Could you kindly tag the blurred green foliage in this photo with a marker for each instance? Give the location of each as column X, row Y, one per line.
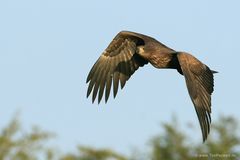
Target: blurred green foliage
column 87, row 153
column 171, row 144
column 15, row 144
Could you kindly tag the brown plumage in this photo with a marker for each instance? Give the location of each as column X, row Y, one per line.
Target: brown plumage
column 128, row 51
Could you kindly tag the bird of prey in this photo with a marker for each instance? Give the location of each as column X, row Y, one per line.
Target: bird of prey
column 129, row 50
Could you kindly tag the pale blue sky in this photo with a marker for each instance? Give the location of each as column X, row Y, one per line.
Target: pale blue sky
column 48, row 47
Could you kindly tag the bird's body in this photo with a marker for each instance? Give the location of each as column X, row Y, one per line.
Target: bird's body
column 128, row 51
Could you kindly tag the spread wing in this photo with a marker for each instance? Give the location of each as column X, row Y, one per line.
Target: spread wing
column 199, row 80
column 116, row 64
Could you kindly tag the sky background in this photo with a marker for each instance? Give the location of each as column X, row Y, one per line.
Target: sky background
column 47, row 48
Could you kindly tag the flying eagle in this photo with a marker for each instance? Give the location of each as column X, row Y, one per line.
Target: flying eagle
column 129, row 50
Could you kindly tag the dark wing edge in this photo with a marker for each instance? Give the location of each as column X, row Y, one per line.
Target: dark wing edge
column 116, row 65
column 200, row 83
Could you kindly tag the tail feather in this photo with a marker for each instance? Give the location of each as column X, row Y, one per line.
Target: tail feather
column 214, row 71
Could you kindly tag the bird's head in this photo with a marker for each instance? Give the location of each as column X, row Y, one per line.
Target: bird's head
column 140, row 50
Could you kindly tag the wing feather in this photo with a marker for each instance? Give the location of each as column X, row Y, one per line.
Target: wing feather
column 116, row 65
column 115, row 83
column 103, row 81
column 199, row 80
column 108, row 86
column 94, row 71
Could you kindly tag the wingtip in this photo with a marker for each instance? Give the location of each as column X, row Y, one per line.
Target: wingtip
column 93, row 98
column 88, row 78
column 88, row 93
column 114, row 94
column 99, row 100
column 106, row 99
column 204, row 139
column 106, row 96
